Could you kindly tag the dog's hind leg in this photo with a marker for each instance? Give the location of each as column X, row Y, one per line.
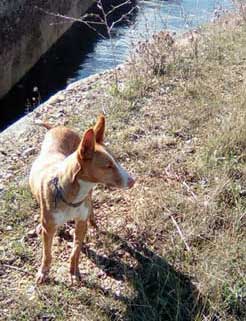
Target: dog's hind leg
column 79, row 235
column 91, row 212
column 48, row 231
column 92, row 219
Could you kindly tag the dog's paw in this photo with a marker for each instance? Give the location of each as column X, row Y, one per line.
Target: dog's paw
column 42, row 277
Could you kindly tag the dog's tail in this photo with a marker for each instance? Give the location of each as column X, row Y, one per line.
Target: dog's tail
column 45, row 125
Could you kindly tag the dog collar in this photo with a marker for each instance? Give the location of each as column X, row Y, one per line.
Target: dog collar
column 59, row 195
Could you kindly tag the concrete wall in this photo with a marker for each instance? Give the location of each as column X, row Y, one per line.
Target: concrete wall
column 26, row 33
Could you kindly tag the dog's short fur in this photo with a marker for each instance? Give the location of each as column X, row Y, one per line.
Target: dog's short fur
column 62, row 179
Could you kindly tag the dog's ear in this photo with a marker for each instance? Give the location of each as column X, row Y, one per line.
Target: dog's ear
column 87, row 145
column 99, row 129
column 75, row 171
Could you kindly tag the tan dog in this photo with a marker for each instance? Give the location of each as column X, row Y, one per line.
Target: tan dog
column 62, row 178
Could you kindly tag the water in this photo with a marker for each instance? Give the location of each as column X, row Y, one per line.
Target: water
column 152, row 16
column 81, row 52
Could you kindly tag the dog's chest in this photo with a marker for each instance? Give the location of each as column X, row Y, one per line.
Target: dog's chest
column 70, row 213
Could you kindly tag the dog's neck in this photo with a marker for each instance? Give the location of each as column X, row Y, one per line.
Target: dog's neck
column 66, row 170
column 84, row 189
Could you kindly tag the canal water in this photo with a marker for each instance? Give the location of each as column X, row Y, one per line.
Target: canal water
column 82, row 52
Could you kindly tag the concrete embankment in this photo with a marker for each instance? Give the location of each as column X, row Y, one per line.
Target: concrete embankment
column 27, row 32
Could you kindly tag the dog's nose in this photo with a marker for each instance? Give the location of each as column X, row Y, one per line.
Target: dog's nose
column 130, row 182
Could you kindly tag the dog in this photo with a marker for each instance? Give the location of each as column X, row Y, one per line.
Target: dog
column 62, row 178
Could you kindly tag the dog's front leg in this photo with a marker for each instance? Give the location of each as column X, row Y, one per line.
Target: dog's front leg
column 78, row 238
column 48, row 231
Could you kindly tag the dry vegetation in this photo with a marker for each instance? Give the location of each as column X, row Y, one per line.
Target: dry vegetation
column 172, row 248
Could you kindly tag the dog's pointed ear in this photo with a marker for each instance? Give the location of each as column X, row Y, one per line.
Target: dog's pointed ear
column 75, row 171
column 87, row 145
column 99, row 129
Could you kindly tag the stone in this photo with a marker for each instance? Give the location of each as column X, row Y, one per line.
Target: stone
column 32, row 233
column 29, row 151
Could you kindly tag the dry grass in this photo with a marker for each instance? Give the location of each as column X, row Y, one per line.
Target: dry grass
column 172, row 248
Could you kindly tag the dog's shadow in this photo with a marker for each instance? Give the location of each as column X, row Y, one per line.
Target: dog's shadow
column 162, row 293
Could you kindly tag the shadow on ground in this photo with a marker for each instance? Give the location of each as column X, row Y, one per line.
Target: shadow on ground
column 161, row 292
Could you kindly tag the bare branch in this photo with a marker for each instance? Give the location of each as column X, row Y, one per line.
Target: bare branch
column 69, row 18
column 72, row 19
column 17, row 269
column 117, row 7
column 180, row 233
column 190, row 190
column 124, row 16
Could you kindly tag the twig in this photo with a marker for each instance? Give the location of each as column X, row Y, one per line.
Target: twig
column 189, row 190
column 169, row 214
column 72, row 19
column 124, row 16
column 118, row 6
column 17, row 269
column 180, row 233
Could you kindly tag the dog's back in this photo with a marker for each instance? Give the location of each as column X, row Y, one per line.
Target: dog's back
column 60, row 140
column 59, row 143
